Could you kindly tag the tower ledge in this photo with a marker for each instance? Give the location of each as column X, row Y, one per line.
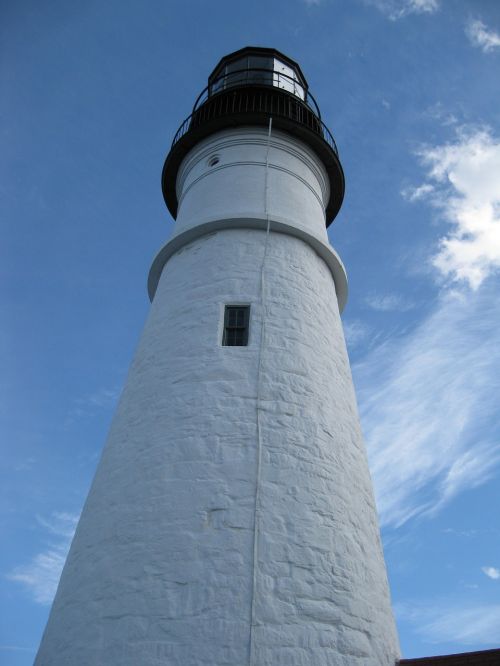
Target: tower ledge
column 325, row 251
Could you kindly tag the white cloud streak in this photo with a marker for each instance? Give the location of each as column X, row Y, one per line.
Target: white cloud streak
column 356, row 332
column 426, row 404
column 428, row 399
column 16, row 648
column 388, row 302
column 461, row 533
column 397, row 9
column 464, row 185
column 417, row 193
column 480, row 36
column 491, row 572
column 102, row 399
column 41, row 575
column 462, row 624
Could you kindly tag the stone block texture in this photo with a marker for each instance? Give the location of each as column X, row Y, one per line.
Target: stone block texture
column 231, row 521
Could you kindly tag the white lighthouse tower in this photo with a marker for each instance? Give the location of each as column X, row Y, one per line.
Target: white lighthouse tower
column 231, row 521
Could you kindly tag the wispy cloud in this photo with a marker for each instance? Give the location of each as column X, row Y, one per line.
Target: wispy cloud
column 491, row 572
column 427, row 398
column 41, row 575
column 397, row 9
column 25, row 465
column 101, row 399
column 417, row 193
column 388, row 302
column 426, row 401
column 439, row 112
column 470, row 469
column 463, row 184
column 479, row 35
column 461, row 533
column 471, row 533
column 462, row 624
column 356, row 332
column 16, row 648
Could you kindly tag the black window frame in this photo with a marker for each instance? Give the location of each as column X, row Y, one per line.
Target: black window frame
column 236, row 325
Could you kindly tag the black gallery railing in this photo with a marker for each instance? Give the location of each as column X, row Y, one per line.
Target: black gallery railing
column 248, row 98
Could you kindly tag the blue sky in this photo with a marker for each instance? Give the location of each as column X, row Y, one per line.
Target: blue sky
column 92, row 94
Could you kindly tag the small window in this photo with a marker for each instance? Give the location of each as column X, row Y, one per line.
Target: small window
column 236, row 318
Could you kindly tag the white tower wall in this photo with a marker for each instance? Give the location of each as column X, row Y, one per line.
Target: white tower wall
column 235, row 187
column 231, row 521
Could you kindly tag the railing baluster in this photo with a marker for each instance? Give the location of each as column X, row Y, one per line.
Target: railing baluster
column 274, row 101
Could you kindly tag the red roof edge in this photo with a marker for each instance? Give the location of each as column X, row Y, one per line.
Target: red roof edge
column 481, row 658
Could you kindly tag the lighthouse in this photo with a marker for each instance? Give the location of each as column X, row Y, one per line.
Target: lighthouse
column 231, row 520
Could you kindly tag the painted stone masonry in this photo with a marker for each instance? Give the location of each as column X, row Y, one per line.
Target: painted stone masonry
column 231, row 521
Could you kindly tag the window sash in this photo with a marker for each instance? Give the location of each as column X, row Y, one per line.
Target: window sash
column 236, row 319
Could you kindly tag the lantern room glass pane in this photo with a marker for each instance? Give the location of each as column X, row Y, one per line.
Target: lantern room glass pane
column 236, row 73
column 286, row 78
column 259, row 70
